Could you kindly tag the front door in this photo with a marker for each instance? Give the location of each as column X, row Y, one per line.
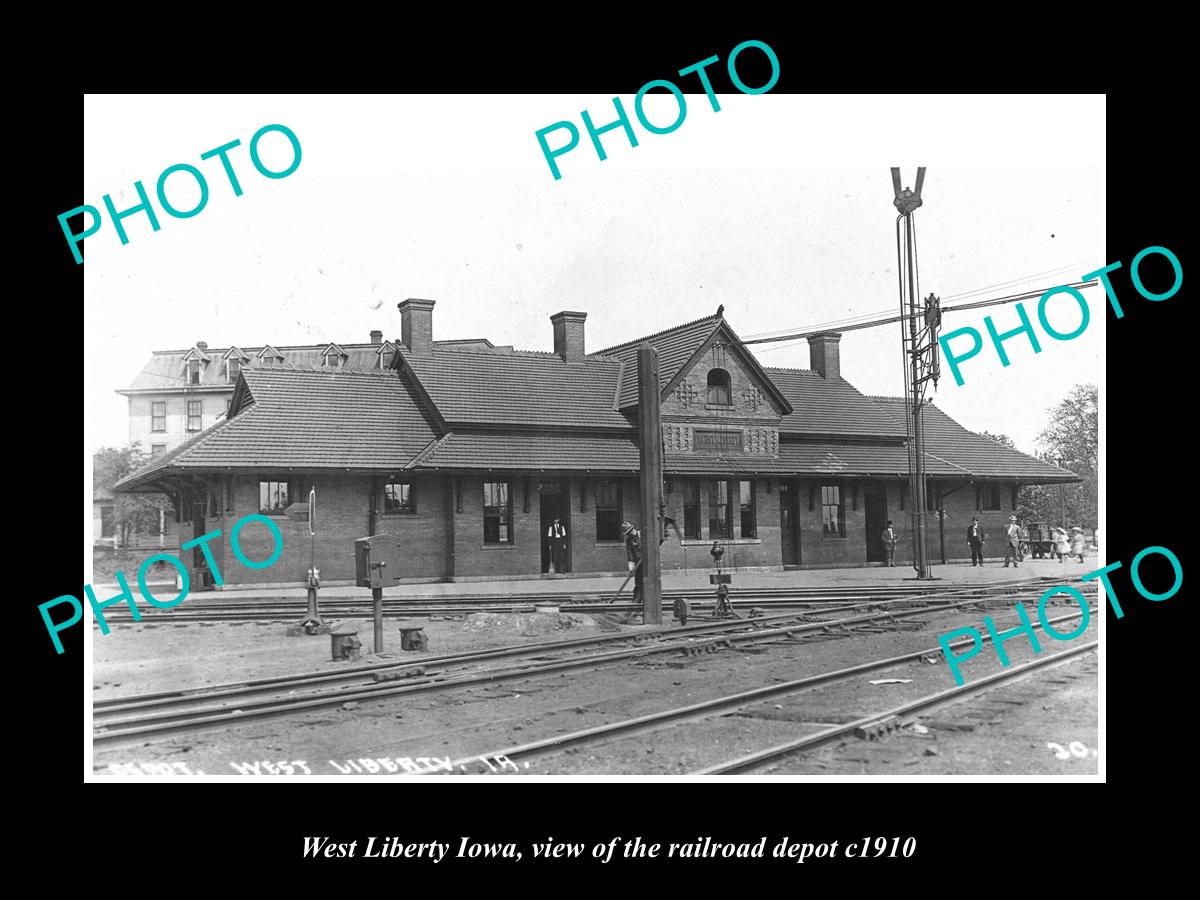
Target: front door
column 789, row 532
column 553, row 503
column 875, row 507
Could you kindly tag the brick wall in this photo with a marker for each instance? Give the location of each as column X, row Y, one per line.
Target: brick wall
column 443, row 542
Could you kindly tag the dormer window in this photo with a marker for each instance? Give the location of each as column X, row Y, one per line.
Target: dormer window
column 333, row 357
column 269, row 356
column 234, row 359
column 193, row 371
column 386, row 353
column 718, row 388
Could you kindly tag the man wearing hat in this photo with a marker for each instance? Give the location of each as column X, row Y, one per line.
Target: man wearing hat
column 1012, row 547
column 633, row 551
column 975, row 539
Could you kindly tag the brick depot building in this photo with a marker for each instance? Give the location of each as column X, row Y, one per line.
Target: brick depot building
column 467, row 451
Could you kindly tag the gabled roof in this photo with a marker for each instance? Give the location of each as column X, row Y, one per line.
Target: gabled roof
column 268, row 350
column 305, row 419
column 972, row 452
column 232, row 352
column 831, row 407
column 196, row 353
column 329, row 348
column 484, row 387
column 678, row 350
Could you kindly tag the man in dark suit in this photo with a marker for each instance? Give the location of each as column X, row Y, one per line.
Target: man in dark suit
column 975, row 539
column 633, row 551
column 556, row 534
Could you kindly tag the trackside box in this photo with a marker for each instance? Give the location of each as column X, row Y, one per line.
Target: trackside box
column 377, row 561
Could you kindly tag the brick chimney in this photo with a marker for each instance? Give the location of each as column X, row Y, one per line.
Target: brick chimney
column 416, row 326
column 568, row 336
column 823, row 355
column 376, row 337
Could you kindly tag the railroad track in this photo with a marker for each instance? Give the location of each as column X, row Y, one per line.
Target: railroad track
column 700, row 601
column 162, row 714
column 705, row 710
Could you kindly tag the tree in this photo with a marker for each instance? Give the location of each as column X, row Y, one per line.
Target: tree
column 132, row 513
column 1001, row 439
column 1071, row 440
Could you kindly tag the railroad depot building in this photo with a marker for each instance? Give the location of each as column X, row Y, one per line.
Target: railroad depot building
column 467, row 451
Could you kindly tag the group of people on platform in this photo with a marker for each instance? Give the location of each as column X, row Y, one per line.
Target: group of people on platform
column 1060, row 545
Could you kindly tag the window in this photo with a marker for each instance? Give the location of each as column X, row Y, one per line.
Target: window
column 718, row 387
column 608, row 510
column 398, row 498
column 991, row 497
column 497, row 513
column 158, row 415
column 267, row 360
column 233, row 366
column 749, row 519
column 193, row 371
column 831, row 510
column 385, row 359
column 272, row 497
column 333, row 359
column 195, row 415
column 691, row 510
column 718, row 510
column 107, row 525
column 157, row 450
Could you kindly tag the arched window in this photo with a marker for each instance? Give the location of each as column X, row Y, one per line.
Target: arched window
column 718, row 387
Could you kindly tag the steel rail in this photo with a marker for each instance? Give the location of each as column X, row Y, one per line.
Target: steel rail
column 157, row 724
column 279, row 682
column 756, row 760
column 707, row 708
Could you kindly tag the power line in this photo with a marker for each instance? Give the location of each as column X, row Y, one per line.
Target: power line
column 979, row 304
column 848, row 320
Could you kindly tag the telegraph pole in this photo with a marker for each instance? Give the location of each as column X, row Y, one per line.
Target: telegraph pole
column 650, row 432
column 919, row 341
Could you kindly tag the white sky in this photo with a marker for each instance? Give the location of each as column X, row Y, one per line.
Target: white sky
column 778, row 207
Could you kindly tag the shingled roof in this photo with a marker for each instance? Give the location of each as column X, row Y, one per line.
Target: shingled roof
column 487, row 387
column 344, row 419
column 831, row 407
column 975, row 453
column 548, row 451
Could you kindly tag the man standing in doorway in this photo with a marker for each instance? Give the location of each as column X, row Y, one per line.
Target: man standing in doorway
column 633, row 551
column 975, row 539
column 889, row 543
column 557, row 535
column 1012, row 543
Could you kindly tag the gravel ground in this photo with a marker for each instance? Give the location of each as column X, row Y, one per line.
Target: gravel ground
column 384, row 735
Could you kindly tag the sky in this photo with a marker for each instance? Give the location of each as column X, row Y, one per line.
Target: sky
column 778, row 207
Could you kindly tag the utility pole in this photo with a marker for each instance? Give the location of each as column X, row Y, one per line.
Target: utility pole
column 650, row 433
column 918, row 336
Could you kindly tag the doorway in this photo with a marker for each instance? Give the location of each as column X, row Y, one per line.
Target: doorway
column 200, row 575
column 875, row 508
column 789, row 530
column 554, row 503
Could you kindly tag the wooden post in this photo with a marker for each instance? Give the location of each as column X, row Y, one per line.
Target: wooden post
column 650, row 433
